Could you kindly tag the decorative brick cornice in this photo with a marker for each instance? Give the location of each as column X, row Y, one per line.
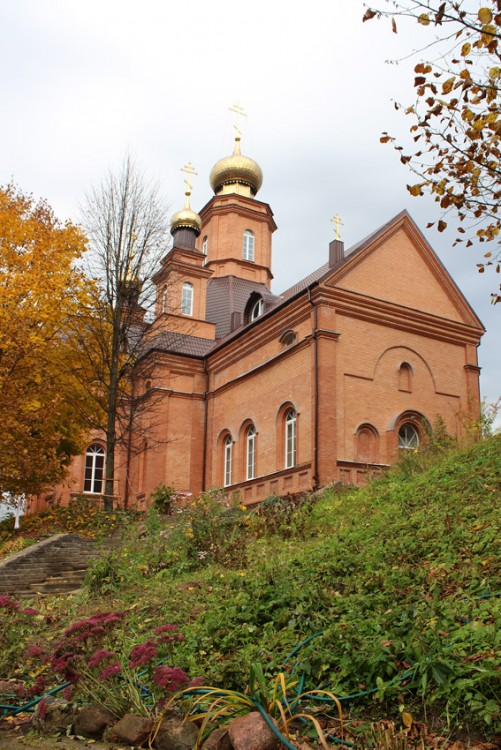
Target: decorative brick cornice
column 382, row 312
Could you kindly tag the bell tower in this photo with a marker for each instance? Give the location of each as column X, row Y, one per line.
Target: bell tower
column 236, row 228
column 182, row 279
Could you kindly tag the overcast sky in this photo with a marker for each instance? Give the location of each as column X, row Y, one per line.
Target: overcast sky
column 82, row 82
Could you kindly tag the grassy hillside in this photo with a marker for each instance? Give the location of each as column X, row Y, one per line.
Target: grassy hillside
column 398, row 583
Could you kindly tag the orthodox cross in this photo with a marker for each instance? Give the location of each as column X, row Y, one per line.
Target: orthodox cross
column 240, row 112
column 189, row 169
column 338, row 222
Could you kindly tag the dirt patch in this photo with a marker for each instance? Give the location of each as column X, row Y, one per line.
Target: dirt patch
column 24, row 739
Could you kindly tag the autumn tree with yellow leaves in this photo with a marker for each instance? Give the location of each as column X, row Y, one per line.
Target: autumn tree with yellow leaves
column 43, row 398
column 456, row 124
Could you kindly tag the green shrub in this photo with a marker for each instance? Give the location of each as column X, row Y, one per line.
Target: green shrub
column 217, row 531
column 286, row 517
column 163, row 498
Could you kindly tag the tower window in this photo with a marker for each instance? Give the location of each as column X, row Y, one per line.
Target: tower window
column 205, row 248
column 164, row 299
column 248, row 245
column 94, row 469
column 250, row 472
column 187, row 299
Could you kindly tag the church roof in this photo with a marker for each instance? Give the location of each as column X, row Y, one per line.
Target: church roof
column 304, row 283
column 178, row 343
column 230, row 294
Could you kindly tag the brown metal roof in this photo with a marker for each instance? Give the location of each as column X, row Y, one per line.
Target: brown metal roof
column 229, row 294
column 178, row 343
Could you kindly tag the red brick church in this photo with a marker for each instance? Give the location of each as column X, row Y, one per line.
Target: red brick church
column 266, row 394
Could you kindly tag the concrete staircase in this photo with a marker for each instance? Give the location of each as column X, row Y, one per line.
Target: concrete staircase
column 53, row 566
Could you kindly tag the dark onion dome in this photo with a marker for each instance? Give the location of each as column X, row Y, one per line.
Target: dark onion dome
column 236, row 169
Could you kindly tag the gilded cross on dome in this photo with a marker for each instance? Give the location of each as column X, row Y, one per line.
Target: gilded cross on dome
column 240, row 112
column 338, row 222
column 189, row 169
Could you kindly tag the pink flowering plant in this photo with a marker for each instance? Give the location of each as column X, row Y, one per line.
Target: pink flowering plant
column 101, row 664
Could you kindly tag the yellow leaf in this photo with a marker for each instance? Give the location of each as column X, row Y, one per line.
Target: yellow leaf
column 424, row 19
column 406, row 719
column 494, row 73
column 448, row 85
column 485, row 16
column 465, row 49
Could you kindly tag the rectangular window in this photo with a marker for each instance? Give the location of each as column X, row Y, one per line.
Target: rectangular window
column 248, row 245
column 228, row 446
column 251, row 453
column 290, row 440
column 187, row 299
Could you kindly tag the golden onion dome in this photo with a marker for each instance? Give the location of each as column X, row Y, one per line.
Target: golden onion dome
column 186, row 218
column 236, row 170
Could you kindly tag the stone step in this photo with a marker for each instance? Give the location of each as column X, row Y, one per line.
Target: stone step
column 58, row 587
column 55, row 565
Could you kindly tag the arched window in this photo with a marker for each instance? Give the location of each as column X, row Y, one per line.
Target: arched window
column 205, row 247
column 187, row 299
column 290, row 439
column 257, row 309
column 250, row 453
column 408, row 437
column 94, row 469
column 248, row 245
column 405, row 377
column 164, row 299
column 228, row 460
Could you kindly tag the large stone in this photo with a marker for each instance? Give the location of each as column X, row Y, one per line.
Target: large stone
column 54, row 715
column 131, row 730
column 252, row 733
column 175, row 734
column 219, row 739
column 92, row 721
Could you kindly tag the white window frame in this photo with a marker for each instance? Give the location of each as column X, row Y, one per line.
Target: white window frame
column 248, row 245
column 228, row 461
column 290, row 438
column 205, row 248
column 94, row 463
column 257, row 309
column 250, row 453
column 187, row 299
column 164, row 299
column 408, row 437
